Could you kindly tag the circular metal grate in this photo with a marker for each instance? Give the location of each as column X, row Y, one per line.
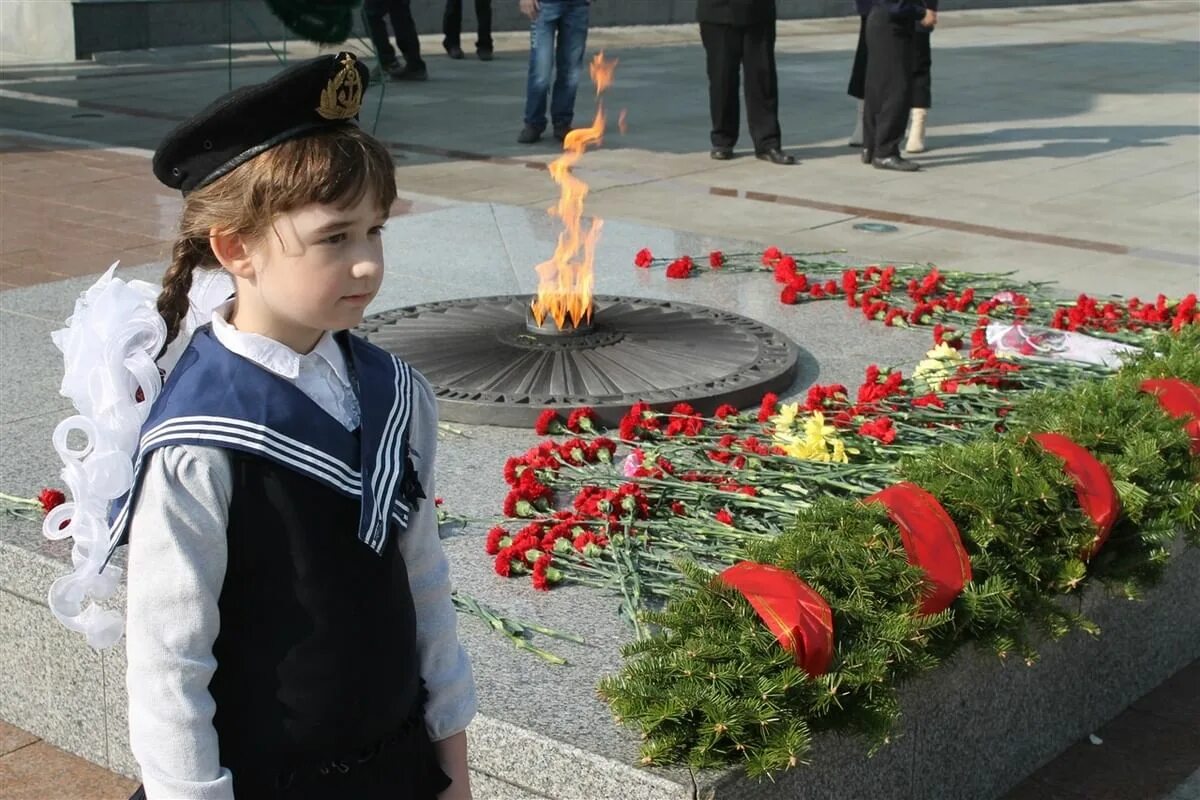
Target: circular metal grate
column 488, row 367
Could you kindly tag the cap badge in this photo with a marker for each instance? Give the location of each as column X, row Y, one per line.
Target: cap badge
column 342, row 96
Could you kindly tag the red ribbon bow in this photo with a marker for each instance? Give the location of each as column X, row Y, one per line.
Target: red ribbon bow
column 931, row 541
column 1093, row 484
column 799, row 617
column 1181, row 400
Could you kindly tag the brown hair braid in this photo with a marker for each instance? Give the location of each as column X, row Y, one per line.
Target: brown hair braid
column 337, row 167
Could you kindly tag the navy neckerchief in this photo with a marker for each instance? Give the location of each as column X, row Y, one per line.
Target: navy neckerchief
column 216, row 398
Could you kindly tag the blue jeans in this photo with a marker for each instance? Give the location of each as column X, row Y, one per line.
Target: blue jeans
column 557, row 39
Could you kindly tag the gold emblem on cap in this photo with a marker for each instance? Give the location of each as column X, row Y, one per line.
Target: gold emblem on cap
column 342, row 96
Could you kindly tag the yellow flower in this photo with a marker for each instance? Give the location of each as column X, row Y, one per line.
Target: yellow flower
column 819, row 443
column 786, row 417
column 938, row 365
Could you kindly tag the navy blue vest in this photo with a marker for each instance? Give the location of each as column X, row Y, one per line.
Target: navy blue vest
column 216, row 398
column 317, row 656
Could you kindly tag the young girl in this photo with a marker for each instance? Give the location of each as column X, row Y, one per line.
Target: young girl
column 290, row 631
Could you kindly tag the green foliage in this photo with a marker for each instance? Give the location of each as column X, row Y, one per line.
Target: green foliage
column 320, row 21
column 712, row 686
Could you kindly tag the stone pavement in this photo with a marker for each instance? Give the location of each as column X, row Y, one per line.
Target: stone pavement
column 1063, row 142
column 1063, row 146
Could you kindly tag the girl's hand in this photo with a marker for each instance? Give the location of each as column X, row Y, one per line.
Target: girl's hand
column 452, row 757
column 929, row 21
column 530, row 8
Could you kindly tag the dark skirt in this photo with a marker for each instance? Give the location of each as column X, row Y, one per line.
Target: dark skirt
column 403, row 766
column 858, row 72
column 922, row 84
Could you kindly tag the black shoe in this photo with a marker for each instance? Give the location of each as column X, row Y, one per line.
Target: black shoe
column 895, row 163
column 484, row 55
column 454, row 51
column 775, row 156
column 529, row 135
column 560, row 132
column 721, row 153
column 381, row 70
column 867, row 155
column 410, row 73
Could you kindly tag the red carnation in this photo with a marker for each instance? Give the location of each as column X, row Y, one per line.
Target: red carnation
column 880, row 428
column 643, row 259
column 789, row 295
column 930, row 399
column 503, row 565
column 724, row 517
column 726, row 410
column 548, row 423
column 581, row 419
column 601, row 449
column 680, row 268
column 785, row 270
column 678, row 508
column 716, row 259
column 770, row 256
column 50, row 499
column 540, row 580
column 768, row 408
column 492, row 545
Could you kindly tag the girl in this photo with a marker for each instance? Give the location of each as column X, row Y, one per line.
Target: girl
column 290, row 630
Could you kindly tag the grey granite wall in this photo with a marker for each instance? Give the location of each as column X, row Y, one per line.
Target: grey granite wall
column 106, row 25
column 973, row 729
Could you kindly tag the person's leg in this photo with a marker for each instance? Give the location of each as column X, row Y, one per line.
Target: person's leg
column 858, row 70
column 922, row 80
column 373, row 12
column 572, row 42
column 723, row 52
column 406, row 35
column 889, row 83
column 762, row 86
column 452, row 26
column 858, row 81
column 483, row 19
column 922, row 91
column 541, row 66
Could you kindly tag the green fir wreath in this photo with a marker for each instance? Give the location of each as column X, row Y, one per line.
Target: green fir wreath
column 320, row 21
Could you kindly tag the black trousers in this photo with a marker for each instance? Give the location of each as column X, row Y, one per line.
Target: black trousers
column 452, row 24
column 889, row 82
column 922, row 89
column 728, row 48
column 400, row 13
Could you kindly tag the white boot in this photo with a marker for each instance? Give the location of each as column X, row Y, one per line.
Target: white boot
column 856, row 138
column 916, row 131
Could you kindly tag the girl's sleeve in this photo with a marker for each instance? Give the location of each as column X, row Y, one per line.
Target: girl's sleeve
column 445, row 667
column 177, row 560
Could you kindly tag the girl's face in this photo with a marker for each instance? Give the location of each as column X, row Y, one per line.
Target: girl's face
column 315, row 270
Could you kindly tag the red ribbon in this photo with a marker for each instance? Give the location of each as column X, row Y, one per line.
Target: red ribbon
column 799, row 617
column 1093, row 484
column 931, row 540
column 1180, row 400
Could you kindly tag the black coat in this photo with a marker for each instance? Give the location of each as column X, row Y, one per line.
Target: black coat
column 735, row 12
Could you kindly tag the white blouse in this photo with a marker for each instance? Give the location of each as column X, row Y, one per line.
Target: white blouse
column 177, row 561
column 320, row 374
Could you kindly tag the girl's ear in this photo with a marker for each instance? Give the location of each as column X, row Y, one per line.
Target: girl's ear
column 233, row 251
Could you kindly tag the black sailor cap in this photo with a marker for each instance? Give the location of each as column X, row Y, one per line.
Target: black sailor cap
column 301, row 100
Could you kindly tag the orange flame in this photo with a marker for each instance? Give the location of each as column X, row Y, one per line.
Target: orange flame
column 565, row 281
